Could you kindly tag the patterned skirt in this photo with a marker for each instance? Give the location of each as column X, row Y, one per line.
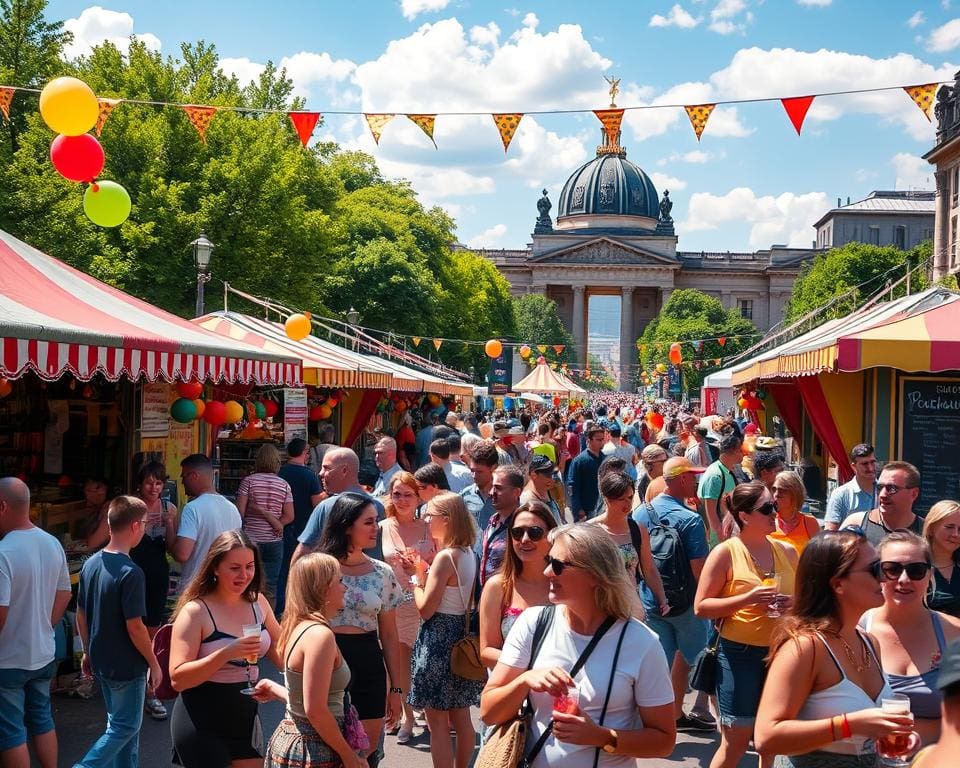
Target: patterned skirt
column 433, row 685
column 296, row 744
column 821, row 759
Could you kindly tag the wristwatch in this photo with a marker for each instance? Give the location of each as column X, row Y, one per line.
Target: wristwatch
column 611, row 745
column 397, row 690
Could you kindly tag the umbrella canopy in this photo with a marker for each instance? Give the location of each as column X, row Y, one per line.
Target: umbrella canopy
column 542, row 379
column 530, row 397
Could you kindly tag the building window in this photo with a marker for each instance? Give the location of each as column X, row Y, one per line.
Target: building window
column 955, row 185
column 927, row 234
column 900, row 237
column 953, row 240
column 874, row 235
column 745, row 307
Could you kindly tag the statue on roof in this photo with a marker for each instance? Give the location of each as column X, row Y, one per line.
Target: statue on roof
column 614, row 83
column 544, row 223
column 665, row 220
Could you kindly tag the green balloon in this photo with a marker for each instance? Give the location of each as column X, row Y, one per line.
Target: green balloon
column 106, row 203
column 260, row 409
column 183, row 410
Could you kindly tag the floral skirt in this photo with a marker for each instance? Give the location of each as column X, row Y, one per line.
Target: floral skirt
column 433, row 685
column 296, row 744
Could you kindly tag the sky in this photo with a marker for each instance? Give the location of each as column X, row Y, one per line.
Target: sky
column 750, row 182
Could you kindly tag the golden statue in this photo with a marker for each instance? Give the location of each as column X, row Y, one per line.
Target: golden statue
column 614, row 83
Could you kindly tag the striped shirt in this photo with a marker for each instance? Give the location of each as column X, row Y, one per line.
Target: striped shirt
column 269, row 492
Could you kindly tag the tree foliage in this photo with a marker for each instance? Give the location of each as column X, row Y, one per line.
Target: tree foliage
column 538, row 322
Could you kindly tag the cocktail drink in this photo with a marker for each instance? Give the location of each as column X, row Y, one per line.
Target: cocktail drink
column 894, row 748
column 250, row 630
column 773, row 580
column 568, row 703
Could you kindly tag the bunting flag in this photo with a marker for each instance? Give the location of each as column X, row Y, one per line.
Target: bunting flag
column 425, row 123
column 437, row 343
column 542, row 348
column 200, row 117
column 722, row 341
column 699, row 114
column 105, row 108
column 415, row 340
column 716, row 361
column 6, row 97
column 644, row 348
column 797, row 110
column 611, row 119
column 558, row 348
column 698, row 344
column 922, row 96
column 304, row 123
column 377, row 122
column 507, row 124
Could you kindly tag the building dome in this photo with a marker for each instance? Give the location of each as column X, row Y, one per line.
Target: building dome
column 609, row 185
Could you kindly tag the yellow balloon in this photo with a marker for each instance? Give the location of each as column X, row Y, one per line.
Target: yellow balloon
column 69, row 106
column 298, row 326
column 234, row 411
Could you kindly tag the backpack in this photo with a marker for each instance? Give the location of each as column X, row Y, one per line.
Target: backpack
column 672, row 564
column 161, row 649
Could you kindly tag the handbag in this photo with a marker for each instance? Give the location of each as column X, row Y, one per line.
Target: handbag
column 703, row 673
column 465, row 658
column 353, row 730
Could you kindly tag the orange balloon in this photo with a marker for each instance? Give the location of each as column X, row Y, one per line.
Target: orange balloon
column 201, row 407
column 5, row 388
column 525, row 351
column 234, row 411
column 298, row 326
column 676, row 353
column 324, row 411
column 493, row 348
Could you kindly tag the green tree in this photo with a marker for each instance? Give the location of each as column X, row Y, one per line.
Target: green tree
column 691, row 316
column 538, row 322
column 600, row 379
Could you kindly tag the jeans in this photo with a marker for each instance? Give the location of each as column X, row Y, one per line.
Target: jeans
column 271, row 555
column 25, row 704
column 119, row 747
column 741, row 673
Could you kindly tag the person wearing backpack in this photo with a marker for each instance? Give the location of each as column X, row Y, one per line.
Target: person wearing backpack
column 678, row 542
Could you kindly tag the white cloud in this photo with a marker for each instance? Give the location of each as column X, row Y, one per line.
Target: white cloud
column 542, row 158
column 243, row 68
column 945, row 38
column 662, row 181
column 96, row 25
column 316, row 74
column 412, row 8
column 724, row 121
column 696, row 157
column 677, row 17
column 865, row 174
column 916, row 20
column 819, row 3
column 785, row 219
column 488, row 238
column 912, row 172
column 488, row 35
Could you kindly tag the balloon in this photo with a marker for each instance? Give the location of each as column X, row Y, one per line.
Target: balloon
column 215, row 413
column 201, row 407
column 260, row 409
column 676, row 353
column 183, row 410
column 5, row 388
column 106, row 204
column 69, row 106
column 324, row 411
column 742, row 403
column 271, row 408
column 298, row 326
column 314, row 413
column 556, row 402
column 525, row 351
column 661, row 368
column 190, row 389
column 233, row 412
column 493, row 348
column 77, row 158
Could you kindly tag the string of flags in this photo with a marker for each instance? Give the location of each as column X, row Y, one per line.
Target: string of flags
column 304, row 123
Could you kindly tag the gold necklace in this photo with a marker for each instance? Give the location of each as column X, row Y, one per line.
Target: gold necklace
column 851, row 656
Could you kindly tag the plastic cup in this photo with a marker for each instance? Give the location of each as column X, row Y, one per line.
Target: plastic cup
column 895, row 748
column 251, row 630
column 568, row 703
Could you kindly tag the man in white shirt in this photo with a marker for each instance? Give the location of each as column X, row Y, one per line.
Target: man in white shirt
column 458, row 476
column 385, row 457
column 34, row 592
column 203, row 518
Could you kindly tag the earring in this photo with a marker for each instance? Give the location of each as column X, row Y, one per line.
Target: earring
column 214, row 578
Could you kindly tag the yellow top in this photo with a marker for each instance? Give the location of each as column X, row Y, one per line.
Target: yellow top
column 798, row 537
column 751, row 625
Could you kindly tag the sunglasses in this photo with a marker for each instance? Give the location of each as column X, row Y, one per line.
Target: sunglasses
column 533, row 532
column 892, row 489
column 915, row 571
column 767, row 508
column 557, row 566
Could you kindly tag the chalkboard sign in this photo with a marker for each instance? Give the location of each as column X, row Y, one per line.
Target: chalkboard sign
column 930, row 436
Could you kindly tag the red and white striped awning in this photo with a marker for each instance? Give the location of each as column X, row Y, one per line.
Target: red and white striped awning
column 55, row 320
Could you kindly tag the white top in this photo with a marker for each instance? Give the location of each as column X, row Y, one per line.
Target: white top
column 642, row 679
column 455, row 600
column 458, row 475
column 202, row 520
column 33, row 568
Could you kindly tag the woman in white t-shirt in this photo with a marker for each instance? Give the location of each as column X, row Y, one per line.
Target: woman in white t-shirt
column 619, row 706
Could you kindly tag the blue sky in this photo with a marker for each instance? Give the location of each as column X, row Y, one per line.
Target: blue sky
column 750, row 183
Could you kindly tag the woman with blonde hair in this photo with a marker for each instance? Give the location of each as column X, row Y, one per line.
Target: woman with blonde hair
column 315, row 673
column 443, row 598
column 941, row 529
column 598, row 681
column 406, row 540
column 793, row 526
column 213, row 724
column 265, row 502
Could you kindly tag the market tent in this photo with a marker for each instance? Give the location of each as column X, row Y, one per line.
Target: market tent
column 575, row 389
column 542, row 379
column 55, row 319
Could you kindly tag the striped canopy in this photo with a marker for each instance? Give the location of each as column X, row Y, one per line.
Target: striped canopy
column 543, row 380
column 55, row 319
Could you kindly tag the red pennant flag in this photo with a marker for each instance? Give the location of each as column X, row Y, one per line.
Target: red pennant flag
column 200, row 117
column 922, row 96
column 722, row 341
column 304, row 123
column 558, row 348
column 6, row 97
column 797, row 110
column 507, row 126
column 611, row 119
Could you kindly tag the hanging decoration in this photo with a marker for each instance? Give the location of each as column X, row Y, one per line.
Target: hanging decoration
column 797, row 110
column 200, row 117
column 676, row 353
column 377, row 122
column 233, row 411
column 298, row 326
column 200, row 406
column 425, row 123
column 6, row 99
column 104, row 108
column 698, row 345
column 699, row 114
column 77, row 158
column 542, row 348
column 271, row 407
column 68, row 106
column 183, row 410
column 507, row 125
column 722, row 341
column 415, row 340
column 215, row 413
column 189, row 389
column 106, row 203
column 525, row 351
column 558, row 348
column 5, row 388
column 437, row 343
column 922, row 96
column 303, row 124
column 493, row 348
column 611, row 119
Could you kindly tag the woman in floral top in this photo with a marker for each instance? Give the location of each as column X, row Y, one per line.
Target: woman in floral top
column 366, row 626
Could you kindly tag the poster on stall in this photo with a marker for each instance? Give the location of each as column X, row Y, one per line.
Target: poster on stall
column 155, row 417
column 294, row 414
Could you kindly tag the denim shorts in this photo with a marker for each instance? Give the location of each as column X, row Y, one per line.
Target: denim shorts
column 685, row 633
column 25, row 704
column 741, row 672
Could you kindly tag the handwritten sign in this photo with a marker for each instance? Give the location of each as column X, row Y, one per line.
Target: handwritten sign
column 155, row 414
column 930, row 436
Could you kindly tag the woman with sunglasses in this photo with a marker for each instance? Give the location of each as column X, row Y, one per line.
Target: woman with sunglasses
column 521, row 582
column 821, row 705
column 912, row 638
column 941, row 529
column 793, row 526
column 745, row 584
column 594, row 599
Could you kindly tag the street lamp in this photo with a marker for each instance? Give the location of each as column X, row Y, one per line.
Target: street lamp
column 353, row 320
column 473, row 375
column 202, row 248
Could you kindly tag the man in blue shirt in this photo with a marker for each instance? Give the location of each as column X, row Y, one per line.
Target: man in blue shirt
column 305, row 486
column 584, row 472
column 482, row 458
column 385, row 457
column 858, row 495
column 459, row 476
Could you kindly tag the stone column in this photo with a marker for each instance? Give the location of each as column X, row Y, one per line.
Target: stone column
column 941, row 233
column 579, row 323
column 627, row 341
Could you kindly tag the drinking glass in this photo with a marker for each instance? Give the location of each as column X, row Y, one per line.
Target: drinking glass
column 896, row 747
column 773, row 609
column 569, row 702
column 250, row 630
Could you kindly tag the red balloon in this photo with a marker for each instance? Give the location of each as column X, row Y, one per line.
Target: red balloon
column 316, row 413
column 77, row 158
column 190, row 389
column 215, row 413
column 271, row 408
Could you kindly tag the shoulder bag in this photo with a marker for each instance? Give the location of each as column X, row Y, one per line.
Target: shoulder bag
column 465, row 658
column 703, row 673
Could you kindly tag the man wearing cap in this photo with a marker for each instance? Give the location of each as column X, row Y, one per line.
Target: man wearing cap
column 584, row 471
column 683, row 635
column 540, row 484
column 719, row 480
column 652, row 457
column 944, row 752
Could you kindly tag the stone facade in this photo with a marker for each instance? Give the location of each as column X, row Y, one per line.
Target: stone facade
column 945, row 157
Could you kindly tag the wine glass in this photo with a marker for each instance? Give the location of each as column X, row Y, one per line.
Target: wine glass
column 773, row 608
column 250, row 630
column 895, row 747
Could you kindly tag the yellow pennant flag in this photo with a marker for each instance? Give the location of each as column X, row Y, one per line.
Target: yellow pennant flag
column 377, row 123
column 106, row 107
column 611, row 119
column 699, row 114
column 416, row 340
column 507, row 125
column 542, row 348
column 425, row 123
column 200, row 117
column 6, row 97
column 922, row 96
column 437, row 343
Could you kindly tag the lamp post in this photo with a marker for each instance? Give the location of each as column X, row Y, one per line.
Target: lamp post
column 202, row 248
column 473, row 375
column 353, row 320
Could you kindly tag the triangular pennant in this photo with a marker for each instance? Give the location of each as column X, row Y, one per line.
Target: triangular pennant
column 415, row 340
column 437, row 343
column 797, row 110
column 507, row 125
column 6, row 97
column 304, row 123
column 611, row 119
column 699, row 114
column 722, row 341
column 542, row 348
column 558, row 348
column 698, row 344
column 105, row 108
column 553, row 366
column 716, row 361
column 922, row 96
column 644, row 348
column 200, row 117
column 425, row 123
column 377, row 123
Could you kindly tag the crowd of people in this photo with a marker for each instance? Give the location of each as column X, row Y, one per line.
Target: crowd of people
column 579, row 566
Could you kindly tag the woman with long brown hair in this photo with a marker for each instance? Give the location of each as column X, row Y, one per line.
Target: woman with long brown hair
column 822, row 700
column 213, row 723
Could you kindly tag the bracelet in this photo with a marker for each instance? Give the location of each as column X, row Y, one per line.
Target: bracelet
column 833, row 729
column 397, row 690
column 846, row 731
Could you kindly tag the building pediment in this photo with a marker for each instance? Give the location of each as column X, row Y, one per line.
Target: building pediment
column 604, row 250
